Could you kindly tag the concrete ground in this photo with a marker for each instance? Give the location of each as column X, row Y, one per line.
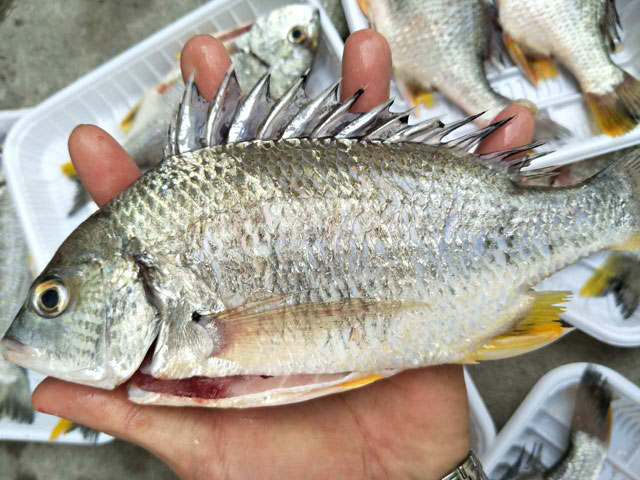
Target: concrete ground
column 44, row 46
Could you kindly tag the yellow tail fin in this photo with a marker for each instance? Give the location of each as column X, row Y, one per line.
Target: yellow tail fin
column 617, row 112
column 68, row 170
column 62, row 427
column 541, row 326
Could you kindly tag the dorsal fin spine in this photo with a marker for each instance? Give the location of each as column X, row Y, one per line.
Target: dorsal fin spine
column 232, row 117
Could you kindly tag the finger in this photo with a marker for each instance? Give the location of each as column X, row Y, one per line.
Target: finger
column 516, row 133
column 109, row 411
column 103, row 166
column 366, row 63
column 209, row 59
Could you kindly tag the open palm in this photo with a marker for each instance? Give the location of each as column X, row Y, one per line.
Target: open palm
column 412, row 425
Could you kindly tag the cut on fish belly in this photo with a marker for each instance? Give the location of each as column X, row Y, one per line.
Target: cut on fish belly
column 319, row 248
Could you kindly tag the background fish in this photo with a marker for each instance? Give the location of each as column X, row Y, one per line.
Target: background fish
column 578, row 34
column 15, row 396
column 283, row 41
column 442, row 45
column 588, row 438
column 299, row 256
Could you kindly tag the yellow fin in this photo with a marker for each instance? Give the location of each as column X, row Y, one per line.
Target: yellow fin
column 632, row 243
column 364, row 7
column 540, row 327
column 63, row 426
column 544, row 68
column 127, row 122
column 599, row 281
column 360, row 382
column 428, row 99
column 520, row 59
column 68, row 170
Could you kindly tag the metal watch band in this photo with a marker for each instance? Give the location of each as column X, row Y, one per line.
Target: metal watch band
column 470, row 469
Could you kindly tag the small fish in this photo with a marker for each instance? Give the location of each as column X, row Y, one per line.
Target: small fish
column 285, row 250
column 283, row 41
column 588, row 439
column 578, row 34
column 15, row 396
column 442, row 45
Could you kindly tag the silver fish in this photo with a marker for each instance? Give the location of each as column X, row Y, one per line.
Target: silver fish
column 579, row 35
column 588, row 438
column 283, row 41
column 311, row 250
column 15, row 396
column 441, row 45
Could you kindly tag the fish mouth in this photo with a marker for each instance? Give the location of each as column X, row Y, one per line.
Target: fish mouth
column 17, row 352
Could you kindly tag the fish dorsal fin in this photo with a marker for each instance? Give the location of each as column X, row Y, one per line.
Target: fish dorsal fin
column 234, row 117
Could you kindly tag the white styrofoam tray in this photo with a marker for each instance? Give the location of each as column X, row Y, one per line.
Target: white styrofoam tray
column 561, row 100
column 42, row 425
column 544, row 418
column 37, row 145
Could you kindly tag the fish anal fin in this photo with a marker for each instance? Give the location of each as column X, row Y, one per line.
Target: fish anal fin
column 62, row 427
column 517, row 54
column 361, row 382
column 540, row 327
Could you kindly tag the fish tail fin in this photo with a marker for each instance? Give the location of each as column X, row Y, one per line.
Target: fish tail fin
column 15, row 399
column 619, row 275
column 592, row 414
column 617, row 112
column 67, row 426
column 61, row 428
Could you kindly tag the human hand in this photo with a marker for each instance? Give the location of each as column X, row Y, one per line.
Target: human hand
column 412, row 425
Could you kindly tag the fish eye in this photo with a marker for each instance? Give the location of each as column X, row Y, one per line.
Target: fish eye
column 50, row 298
column 297, row 34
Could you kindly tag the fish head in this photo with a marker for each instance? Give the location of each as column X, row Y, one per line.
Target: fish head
column 85, row 319
column 286, row 40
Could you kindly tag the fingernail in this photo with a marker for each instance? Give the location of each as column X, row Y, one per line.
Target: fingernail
column 528, row 104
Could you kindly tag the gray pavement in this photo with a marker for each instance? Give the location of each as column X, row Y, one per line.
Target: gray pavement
column 44, row 46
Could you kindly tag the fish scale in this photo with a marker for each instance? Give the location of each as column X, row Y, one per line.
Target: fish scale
column 288, row 257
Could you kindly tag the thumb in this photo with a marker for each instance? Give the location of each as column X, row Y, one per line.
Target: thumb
column 157, row 429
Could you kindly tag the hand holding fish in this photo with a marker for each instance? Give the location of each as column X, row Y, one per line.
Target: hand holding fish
column 411, row 425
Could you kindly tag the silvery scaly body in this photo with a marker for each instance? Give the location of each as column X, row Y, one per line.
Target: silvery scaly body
column 588, row 438
column 15, row 277
column 578, row 34
column 311, row 250
column 442, row 45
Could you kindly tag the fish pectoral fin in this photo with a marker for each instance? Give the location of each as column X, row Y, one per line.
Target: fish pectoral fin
column 617, row 111
column 68, row 170
column 619, row 275
column 246, row 327
column 541, row 326
column 517, row 54
column 428, row 99
column 62, row 428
